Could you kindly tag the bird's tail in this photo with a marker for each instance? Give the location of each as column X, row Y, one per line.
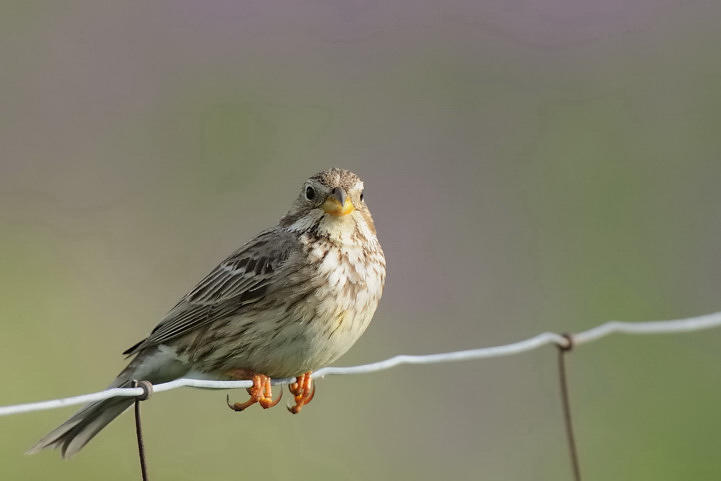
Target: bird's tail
column 75, row 433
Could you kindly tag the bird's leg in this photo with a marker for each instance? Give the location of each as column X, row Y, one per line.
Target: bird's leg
column 260, row 392
column 267, row 400
column 303, row 389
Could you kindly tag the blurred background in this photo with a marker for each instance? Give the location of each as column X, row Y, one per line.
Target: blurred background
column 531, row 166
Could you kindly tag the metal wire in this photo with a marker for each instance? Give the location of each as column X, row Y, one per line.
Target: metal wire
column 147, row 390
column 566, row 407
column 707, row 321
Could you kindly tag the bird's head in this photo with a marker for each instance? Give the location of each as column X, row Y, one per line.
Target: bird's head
column 331, row 203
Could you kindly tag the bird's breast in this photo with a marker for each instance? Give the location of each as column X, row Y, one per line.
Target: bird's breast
column 339, row 308
column 350, row 284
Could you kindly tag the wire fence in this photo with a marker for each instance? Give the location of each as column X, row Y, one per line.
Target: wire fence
column 707, row 321
column 564, row 342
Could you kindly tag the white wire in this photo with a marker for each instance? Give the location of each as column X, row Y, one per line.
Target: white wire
column 707, row 321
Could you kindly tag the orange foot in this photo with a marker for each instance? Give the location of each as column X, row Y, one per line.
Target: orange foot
column 303, row 390
column 260, row 393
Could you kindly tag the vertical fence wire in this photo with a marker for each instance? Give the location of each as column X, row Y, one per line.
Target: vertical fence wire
column 147, row 390
column 566, row 407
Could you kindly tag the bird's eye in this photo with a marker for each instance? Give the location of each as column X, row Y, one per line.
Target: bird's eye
column 362, row 196
column 309, row 193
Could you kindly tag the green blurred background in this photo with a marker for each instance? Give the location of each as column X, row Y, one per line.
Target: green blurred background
column 531, row 166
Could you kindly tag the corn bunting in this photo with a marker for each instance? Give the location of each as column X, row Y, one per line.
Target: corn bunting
column 288, row 302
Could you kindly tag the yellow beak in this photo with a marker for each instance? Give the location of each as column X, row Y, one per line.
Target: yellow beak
column 338, row 203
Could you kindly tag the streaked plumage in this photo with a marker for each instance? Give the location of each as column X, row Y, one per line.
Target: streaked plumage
column 291, row 300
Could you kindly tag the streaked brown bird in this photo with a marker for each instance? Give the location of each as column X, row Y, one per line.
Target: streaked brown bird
column 290, row 301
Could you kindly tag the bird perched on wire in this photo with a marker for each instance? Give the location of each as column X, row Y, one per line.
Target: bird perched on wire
column 290, row 301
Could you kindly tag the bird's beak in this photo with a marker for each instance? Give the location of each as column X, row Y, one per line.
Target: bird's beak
column 338, row 203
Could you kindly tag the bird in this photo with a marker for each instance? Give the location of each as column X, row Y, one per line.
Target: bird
column 288, row 302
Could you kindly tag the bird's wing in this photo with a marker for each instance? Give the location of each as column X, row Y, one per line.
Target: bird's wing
column 241, row 279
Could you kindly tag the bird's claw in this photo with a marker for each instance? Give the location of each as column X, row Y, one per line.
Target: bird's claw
column 303, row 391
column 260, row 392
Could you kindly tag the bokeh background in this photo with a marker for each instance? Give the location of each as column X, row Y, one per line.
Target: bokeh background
column 532, row 165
